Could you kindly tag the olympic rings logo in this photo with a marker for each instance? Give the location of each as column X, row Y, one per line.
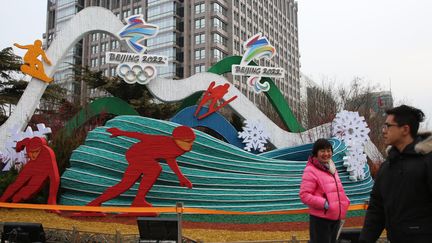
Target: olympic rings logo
column 136, row 73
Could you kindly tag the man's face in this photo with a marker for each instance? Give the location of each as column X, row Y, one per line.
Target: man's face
column 392, row 132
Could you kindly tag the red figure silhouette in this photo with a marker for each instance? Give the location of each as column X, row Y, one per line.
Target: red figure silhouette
column 142, row 158
column 41, row 167
column 214, row 94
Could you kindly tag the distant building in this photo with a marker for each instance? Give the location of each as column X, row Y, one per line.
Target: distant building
column 305, row 84
column 372, row 104
column 193, row 34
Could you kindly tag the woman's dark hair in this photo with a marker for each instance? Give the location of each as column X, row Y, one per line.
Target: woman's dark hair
column 407, row 115
column 319, row 144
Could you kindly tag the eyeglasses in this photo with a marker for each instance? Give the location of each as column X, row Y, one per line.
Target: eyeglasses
column 386, row 126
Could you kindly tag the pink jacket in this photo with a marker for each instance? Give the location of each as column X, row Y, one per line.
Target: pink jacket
column 318, row 186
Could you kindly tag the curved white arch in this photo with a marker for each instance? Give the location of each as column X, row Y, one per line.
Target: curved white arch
column 170, row 90
column 88, row 20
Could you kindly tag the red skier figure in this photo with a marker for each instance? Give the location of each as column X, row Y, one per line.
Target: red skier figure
column 41, row 167
column 214, row 94
column 142, row 158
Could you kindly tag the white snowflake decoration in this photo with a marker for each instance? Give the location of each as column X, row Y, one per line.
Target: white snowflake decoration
column 355, row 162
column 351, row 128
column 13, row 159
column 254, row 136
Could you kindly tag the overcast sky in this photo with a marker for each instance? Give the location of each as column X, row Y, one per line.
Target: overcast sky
column 378, row 40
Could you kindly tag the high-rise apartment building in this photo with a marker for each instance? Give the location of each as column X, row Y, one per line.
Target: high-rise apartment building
column 194, row 34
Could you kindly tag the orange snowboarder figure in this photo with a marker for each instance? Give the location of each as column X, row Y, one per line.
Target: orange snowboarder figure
column 32, row 65
column 143, row 162
column 41, row 168
column 214, row 94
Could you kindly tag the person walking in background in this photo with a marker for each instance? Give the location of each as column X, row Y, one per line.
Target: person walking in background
column 401, row 199
column 322, row 191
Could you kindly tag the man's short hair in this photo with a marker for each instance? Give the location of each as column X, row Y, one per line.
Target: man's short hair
column 319, row 144
column 407, row 115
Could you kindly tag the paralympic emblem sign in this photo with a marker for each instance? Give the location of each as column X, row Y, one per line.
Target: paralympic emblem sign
column 136, row 67
column 257, row 47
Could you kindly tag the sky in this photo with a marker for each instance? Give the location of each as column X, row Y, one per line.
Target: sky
column 380, row 41
column 383, row 42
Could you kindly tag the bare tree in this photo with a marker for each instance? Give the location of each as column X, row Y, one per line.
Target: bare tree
column 321, row 105
column 325, row 102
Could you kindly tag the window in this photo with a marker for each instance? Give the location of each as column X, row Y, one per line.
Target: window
column 102, row 61
column 199, row 39
column 236, row 45
column 218, row 23
column 113, row 72
column 94, row 37
column 103, row 47
column 218, row 39
column 199, row 23
column 116, row 4
column 243, row 35
column 217, row 8
column 249, row 26
column 114, row 44
column 126, row 13
column 199, row 54
column 94, row 49
column 199, row 8
column 165, row 23
column 160, row 10
column 199, row 68
column 137, row 11
column 94, row 63
column 218, row 54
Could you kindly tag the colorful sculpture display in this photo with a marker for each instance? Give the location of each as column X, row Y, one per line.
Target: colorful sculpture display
column 41, row 168
column 225, row 177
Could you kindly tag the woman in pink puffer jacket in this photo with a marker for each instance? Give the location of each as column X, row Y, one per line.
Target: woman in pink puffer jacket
column 321, row 190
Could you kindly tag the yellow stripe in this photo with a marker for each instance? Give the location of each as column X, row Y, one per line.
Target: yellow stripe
column 154, row 209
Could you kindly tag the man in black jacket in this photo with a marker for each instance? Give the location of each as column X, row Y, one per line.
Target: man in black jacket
column 401, row 199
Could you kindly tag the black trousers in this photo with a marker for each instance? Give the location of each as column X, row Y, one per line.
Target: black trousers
column 323, row 230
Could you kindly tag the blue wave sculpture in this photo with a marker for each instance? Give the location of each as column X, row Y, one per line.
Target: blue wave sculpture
column 215, row 121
